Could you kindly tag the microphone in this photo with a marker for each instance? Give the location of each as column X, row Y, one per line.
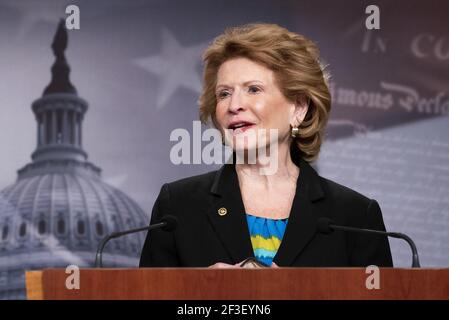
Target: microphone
column 167, row 223
column 327, row 226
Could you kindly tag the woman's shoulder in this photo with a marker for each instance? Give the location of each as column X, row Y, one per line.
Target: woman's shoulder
column 322, row 187
column 198, row 183
column 343, row 195
column 343, row 191
column 351, row 207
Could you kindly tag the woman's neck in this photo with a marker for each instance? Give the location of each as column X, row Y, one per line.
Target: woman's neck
column 285, row 168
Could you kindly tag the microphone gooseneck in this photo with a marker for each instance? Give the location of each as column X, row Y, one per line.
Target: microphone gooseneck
column 327, row 226
column 167, row 223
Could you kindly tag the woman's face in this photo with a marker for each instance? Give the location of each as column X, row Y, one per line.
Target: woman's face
column 249, row 99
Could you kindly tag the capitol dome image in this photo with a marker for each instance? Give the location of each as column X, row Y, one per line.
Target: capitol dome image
column 59, row 208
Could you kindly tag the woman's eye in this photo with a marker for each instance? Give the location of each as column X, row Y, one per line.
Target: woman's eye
column 253, row 89
column 222, row 94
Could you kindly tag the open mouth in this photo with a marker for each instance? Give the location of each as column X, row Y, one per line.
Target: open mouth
column 240, row 127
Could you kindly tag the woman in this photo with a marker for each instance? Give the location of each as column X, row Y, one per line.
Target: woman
column 264, row 78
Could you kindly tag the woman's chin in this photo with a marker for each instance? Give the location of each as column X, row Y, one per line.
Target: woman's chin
column 248, row 147
column 243, row 145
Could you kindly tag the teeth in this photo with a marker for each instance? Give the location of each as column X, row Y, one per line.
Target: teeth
column 239, row 125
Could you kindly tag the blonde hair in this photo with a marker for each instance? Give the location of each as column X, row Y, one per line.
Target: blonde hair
column 295, row 61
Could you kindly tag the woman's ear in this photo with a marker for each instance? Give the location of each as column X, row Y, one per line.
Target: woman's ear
column 301, row 108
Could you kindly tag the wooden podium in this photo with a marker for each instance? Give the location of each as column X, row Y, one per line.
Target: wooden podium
column 239, row 284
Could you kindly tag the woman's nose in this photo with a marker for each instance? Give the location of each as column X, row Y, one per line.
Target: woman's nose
column 236, row 103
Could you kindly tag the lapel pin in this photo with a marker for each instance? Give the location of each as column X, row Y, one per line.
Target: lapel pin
column 222, row 211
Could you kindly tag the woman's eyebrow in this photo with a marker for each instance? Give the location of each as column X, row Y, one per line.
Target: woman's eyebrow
column 219, row 86
column 252, row 81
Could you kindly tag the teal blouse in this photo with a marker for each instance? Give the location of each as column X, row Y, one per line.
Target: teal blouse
column 266, row 236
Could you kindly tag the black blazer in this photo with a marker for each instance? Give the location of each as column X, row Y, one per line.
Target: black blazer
column 203, row 237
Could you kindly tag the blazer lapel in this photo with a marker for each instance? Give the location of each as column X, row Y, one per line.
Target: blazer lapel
column 231, row 227
column 305, row 211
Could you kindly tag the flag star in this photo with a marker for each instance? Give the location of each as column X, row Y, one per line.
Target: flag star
column 176, row 67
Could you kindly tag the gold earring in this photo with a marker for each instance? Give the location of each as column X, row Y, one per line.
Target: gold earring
column 295, row 132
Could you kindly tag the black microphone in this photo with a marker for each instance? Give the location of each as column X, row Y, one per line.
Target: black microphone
column 326, row 226
column 167, row 223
